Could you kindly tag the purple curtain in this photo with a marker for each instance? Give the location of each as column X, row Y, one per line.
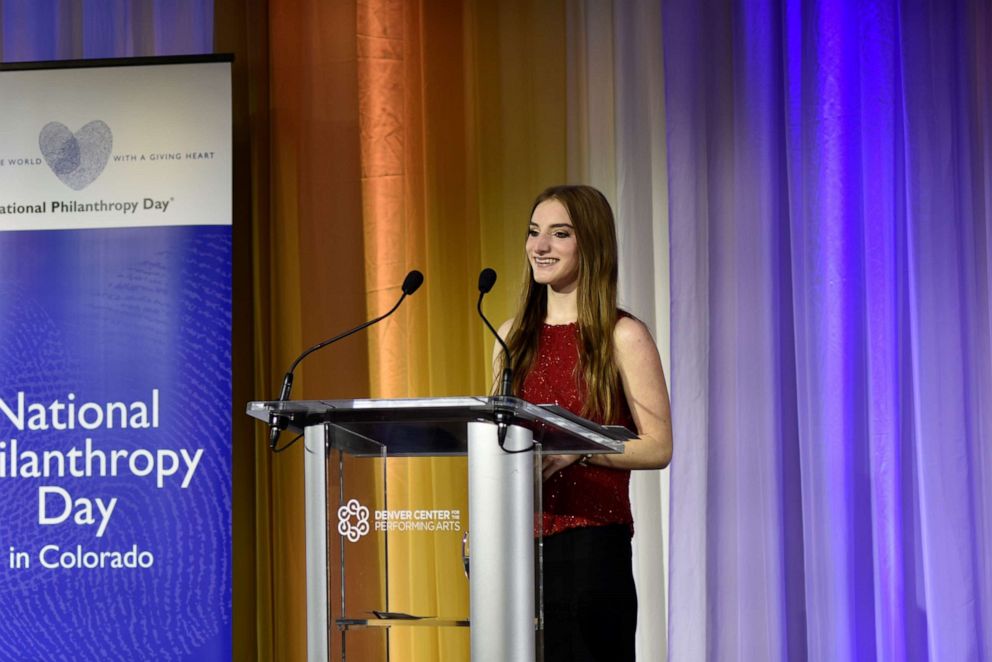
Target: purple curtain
column 830, row 199
column 86, row 29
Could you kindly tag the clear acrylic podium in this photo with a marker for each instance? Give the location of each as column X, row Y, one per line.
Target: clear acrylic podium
column 351, row 513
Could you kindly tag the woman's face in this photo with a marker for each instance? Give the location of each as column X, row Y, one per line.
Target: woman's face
column 551, row 247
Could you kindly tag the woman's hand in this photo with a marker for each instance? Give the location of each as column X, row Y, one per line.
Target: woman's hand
column 552, row 464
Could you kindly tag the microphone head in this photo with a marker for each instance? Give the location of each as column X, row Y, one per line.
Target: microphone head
column 487, row 278
column 412, row 282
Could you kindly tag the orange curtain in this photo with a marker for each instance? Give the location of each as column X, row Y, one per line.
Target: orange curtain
column 376, row 137
column 462, row 114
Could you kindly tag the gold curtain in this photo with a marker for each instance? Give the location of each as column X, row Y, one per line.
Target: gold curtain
column 375, row 137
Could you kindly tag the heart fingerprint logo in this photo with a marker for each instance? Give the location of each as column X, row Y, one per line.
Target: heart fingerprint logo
column 76, row 158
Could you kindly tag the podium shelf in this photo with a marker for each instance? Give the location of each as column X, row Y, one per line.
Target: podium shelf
column 436, row 426
column 373, row 622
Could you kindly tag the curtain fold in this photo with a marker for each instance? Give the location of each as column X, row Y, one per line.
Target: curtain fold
column 829, row 205
column 428, row 76
column 308, row 246
column 616, row 142
column 241, row 28
column 516, row 53
column 413, row 188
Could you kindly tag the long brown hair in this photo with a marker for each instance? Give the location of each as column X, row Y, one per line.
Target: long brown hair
column 595, row 235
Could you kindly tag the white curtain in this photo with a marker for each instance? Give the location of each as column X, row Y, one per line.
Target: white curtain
column 616, row 142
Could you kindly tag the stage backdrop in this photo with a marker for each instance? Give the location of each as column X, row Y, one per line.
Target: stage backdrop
column 115, row 375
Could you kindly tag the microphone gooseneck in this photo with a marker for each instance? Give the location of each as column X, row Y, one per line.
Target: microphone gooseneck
column 277, row 423
column 502, row 412
column 487, row 278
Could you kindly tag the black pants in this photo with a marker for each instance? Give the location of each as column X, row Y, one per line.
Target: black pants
column 590, row 605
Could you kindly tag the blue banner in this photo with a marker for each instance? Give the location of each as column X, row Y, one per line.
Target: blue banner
column 115, row 378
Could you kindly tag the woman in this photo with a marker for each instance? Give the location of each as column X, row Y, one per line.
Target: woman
column 571, row 346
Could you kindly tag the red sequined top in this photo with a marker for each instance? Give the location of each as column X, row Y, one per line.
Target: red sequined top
column 578, row 495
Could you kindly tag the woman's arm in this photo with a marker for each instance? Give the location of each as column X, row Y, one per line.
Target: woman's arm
column 643, row 381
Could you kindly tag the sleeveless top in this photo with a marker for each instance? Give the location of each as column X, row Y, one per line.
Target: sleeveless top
column 578, row 495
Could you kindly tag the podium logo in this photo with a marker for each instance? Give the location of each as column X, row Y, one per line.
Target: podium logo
column 77, row 159
column 353, row 520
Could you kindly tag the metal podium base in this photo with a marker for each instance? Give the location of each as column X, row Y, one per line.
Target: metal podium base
column 501, row 530
column 501, row 539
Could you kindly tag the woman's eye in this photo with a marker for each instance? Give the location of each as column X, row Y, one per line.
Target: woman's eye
column 532, row 233
column 562, row 235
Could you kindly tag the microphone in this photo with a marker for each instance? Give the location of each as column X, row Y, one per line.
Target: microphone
column 277, row 423
column 503, row 414
column 487, row 278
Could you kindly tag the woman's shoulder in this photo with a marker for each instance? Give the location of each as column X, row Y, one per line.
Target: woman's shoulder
column 630, row 332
